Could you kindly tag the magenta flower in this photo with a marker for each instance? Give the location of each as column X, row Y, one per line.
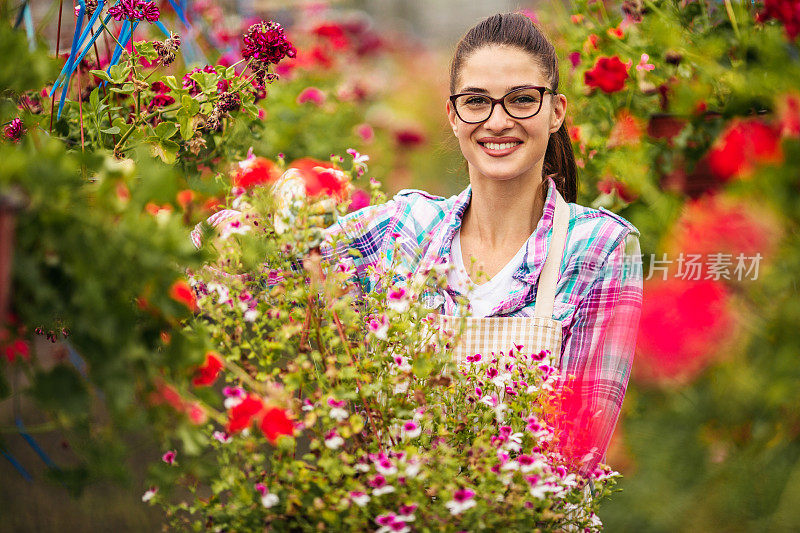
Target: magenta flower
column 14, row 130
column 462, row 500
column 135, row 10
column 169, row 457
column 266, row 43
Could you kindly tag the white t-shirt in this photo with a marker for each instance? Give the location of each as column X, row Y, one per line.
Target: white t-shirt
column 485, row 297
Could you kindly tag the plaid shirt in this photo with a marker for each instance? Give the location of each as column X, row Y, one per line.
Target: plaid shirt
column 598, row 295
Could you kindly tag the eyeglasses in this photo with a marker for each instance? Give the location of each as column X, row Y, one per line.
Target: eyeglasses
column 523, row 102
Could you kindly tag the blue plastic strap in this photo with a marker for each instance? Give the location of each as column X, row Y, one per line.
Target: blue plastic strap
column 33, row 444
column 64, row 76
column 78, row 28
column 163, row 29
column 76, row 360
column 21, row 14
column 29, row 28
column 180, row 12
column 24, row 473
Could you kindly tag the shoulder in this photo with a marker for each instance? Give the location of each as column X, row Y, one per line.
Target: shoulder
column 599, row 232
column 423, row 209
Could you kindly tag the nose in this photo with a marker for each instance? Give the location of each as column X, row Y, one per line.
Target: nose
column 498, row 119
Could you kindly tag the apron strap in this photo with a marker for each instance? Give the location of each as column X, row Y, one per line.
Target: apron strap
column 546, row 288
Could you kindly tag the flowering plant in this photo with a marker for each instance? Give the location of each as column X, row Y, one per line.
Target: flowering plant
column 344, row 410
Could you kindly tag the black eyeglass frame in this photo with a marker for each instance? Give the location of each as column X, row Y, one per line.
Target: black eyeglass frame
column 501, row 101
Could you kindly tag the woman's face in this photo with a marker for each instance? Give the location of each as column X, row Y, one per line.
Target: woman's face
column 495, row 70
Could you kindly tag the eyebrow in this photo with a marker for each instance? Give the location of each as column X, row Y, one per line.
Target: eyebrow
column 484, row 91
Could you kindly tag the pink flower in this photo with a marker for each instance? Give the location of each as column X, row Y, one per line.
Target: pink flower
column 411, row 430
column 575, row 59
column 358, row 200
column 474, row 358
column 311, row 94
column 14, row 130
column 169, row 457
column 462, row 500
column 366, row 132
column 643, row 64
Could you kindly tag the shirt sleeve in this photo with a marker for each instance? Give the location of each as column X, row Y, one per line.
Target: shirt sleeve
column 601, row 344
column 357, row 240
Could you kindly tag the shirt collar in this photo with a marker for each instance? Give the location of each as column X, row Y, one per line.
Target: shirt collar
column 536, row 246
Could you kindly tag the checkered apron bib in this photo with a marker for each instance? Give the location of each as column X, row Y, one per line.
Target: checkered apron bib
column 540, row 332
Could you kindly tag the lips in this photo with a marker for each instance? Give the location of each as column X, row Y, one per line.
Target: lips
column 499, row 146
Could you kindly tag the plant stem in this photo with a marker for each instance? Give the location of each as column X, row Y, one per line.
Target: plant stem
column 102, row 22
column 732, row 16
column 58, row 45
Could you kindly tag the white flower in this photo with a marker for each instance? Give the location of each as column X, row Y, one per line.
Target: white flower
column 398, row 300
column 459, row 507
column 514, row 443
column 233, row 228
column 232, row 402
column 412, row 470
column 385, row 467
column 269, row 500
column 359, row 498
column 411, row 430
column 361, row 467
column 386, row 489
column 221, row 436
column 250, row 315
column 338, row 413
column 541, row 490
column 379, row 327
column 148, row 495
column 333, row 440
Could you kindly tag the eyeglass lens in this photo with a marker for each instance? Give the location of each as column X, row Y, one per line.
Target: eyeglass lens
column 523, row 103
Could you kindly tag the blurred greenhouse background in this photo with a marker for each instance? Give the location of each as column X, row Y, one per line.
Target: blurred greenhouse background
column 700, row 150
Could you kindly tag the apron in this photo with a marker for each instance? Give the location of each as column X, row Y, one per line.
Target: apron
column 540, row 332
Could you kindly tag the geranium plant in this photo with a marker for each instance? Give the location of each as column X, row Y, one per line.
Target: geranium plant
column 341, row 409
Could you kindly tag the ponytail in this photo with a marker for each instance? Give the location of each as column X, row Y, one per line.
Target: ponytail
column 559, row 164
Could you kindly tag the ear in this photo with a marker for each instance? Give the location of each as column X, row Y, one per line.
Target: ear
column 451, row 115
column 558, row 112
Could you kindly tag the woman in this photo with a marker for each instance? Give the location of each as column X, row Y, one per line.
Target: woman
column 561, row 276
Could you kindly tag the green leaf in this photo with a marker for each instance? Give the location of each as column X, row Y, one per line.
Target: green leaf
column 113, row 130
column 94, row 99
column 171, row 82
column 184, row 120
column 146, row 49
column 165, row 150
column 165, row 130
column 191, row 105
column 102, row 74
column 119, row 73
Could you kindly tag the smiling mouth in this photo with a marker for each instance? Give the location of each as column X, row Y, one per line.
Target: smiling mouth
column 499, row 146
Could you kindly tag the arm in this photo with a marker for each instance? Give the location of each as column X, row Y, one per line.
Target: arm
column 601, row 344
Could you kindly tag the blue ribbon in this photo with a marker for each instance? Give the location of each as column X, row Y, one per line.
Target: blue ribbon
column 33, row 444
column 24, row 473
column 70, row 60
column 64, row 76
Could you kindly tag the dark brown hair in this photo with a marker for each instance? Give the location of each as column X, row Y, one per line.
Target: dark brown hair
column 517, row 30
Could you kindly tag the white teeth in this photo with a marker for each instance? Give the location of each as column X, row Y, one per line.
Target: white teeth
column 503, row 146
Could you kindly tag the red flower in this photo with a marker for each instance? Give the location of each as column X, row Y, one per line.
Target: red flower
column 409, row 138
column 208, row 372
column 321, row 178
column 275, row 423
column 742, row 146
column 682, row 328
column 185, row 197
column 787, row 11
column 608, row 74
column 243, row 413
column 715, row 224
column 334, row 33
column 311, row 94
column 255, row 171
column 627, row 130
column 18, row 348
column 609, row 185
column 181, row 292
column 789, row 114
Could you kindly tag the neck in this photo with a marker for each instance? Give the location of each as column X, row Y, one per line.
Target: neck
column 505, row 213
